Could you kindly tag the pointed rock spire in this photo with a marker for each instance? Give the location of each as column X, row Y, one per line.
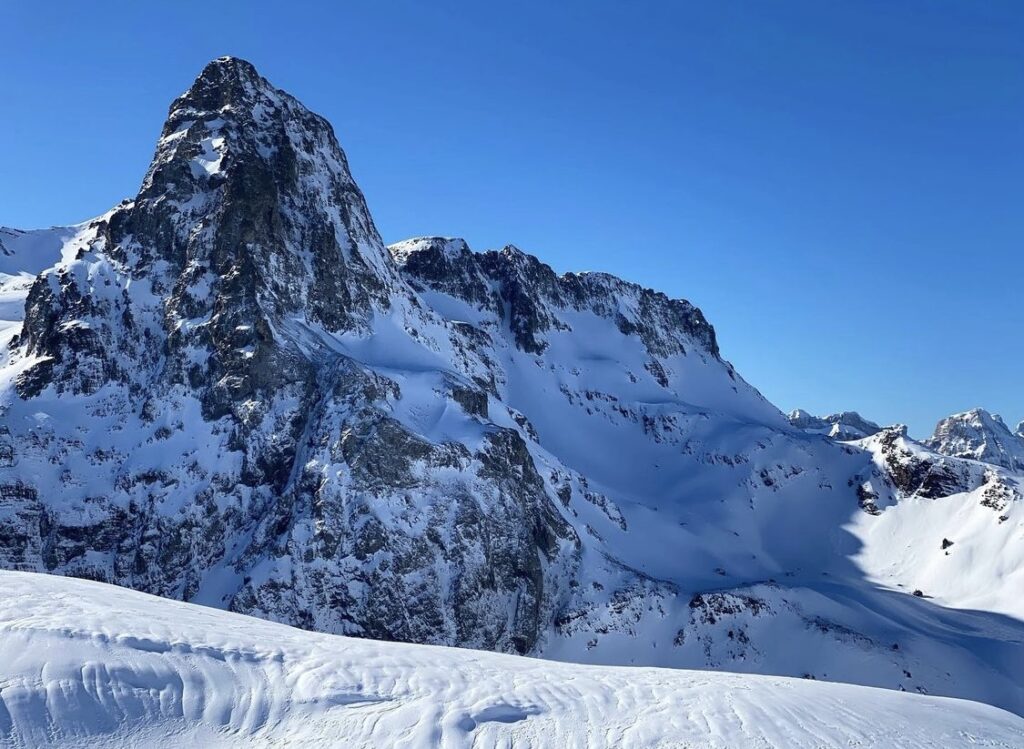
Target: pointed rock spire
column 223, row 82
column 248, row 220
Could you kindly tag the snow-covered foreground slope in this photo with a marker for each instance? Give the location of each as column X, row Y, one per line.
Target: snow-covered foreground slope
column 91, row 665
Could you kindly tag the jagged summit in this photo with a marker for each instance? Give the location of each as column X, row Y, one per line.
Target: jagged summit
column 979, row 435
column 513, row 283
column 248, row 236
column 844, row 426
column 233, row 123
column 225, row 81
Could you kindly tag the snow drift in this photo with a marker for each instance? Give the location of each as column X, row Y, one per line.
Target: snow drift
column 89, row 665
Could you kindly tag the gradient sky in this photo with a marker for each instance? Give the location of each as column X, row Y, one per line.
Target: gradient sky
column 839, row 185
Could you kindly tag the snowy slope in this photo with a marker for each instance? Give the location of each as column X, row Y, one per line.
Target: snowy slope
column 31, row 252
column 727, row 540
column 84, row 664
column 957, row 538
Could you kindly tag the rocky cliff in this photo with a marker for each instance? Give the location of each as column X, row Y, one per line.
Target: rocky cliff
column 979, row 435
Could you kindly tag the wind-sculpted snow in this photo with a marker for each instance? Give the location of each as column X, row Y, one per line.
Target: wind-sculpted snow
column 229, row 391
column 83, row 664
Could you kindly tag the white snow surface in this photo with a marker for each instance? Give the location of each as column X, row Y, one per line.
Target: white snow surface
column 33, row 251
column 90, row 665
column 981, row 567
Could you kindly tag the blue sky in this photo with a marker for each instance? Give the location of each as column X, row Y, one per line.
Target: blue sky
column 839, row 185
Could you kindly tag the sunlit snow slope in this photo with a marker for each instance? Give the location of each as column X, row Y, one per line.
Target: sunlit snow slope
column 91, row 665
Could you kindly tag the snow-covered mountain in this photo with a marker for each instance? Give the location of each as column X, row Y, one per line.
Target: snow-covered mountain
column 88, row 665
column 845, row 426
column 229, row 391
column 979, row 435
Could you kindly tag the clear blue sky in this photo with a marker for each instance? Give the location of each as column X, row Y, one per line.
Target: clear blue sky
column 839, row 185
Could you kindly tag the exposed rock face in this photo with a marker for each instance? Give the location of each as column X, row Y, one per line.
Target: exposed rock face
column 217, row 424
column 228, row 390
column 915, row 472
column 247, row 217
column 517, row 286
column 979, row 435
column 908, row 469
column 247, row 382
column 845, row 426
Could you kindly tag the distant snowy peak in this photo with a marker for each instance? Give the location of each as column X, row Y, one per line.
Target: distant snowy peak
column 979, row 435
column 975, row 435
column 10, row 235
column 845, row 426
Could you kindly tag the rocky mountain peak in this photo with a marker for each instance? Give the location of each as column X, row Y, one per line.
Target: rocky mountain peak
column 844, row 426
column 227, row 391
column 235, row 139
column 225, row 81
column 248, row 221
column 979, row 435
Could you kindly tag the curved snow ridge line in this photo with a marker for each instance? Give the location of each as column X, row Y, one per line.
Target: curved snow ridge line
column 87, row 664
column 145, row 644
